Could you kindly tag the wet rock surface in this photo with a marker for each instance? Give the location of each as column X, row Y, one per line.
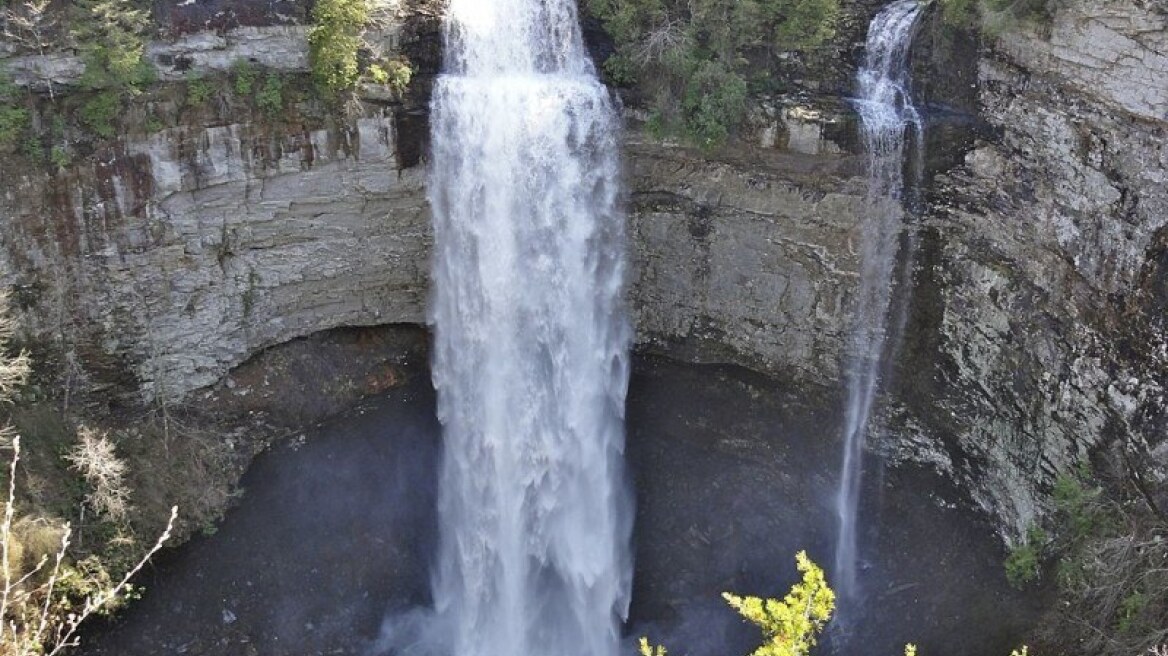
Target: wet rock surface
column 733, row 476
column 1035, row 335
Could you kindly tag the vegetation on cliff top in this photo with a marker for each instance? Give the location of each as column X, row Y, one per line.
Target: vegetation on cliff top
column 336, row 43
column 995, row 16
column 697, row 60
column 50, row 123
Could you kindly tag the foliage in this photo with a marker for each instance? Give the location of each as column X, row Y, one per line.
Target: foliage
column 1024, row 562
column 395, row 73
column 59, row 157
column 32, row 148
column 32, row 24
column 714, row 104
column 693, row 56
column 244, row 76
column 270, row 99
column 14, row 369
column 1078, row 506
column 99, row 112
column 790, row 626
column 47, row 593
column 334, row 41
column 199, row 91
column 14, row 120
column 43, row 606
column 111, row 36
column 1110, row 547
column 996, row 16
column 645, row 649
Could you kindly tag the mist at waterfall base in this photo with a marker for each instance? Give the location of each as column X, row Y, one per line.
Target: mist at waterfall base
column 887, row 113
column 733, row 474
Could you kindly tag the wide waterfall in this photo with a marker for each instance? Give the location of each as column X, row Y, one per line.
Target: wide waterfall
column 530, row 341
column 887, row 114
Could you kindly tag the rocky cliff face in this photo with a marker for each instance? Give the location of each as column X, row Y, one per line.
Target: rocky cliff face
column 1039, row 331
column 186, row 252
column 1035, row 328
column 166, row 258
column 752, row 262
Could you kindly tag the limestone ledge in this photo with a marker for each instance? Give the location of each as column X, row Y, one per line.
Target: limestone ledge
column 184, row 254
column 276, row 47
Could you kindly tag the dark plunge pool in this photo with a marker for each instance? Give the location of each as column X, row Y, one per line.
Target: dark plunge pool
column 734, row 474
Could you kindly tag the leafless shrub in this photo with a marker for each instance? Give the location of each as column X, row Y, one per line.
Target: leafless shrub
column 39, row 614
column 95, row 459
column 14, row 370
column 1113, row 576
column 667, row 38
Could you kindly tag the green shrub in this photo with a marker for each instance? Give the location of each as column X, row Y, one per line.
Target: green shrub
column 243, row 77
column 620, row 70
column 400, row 74
column 111, row 36
column 693, row 56
column 790, row 626
column 995, row 16
column 8, row 89
column 1080, row 514
column 334, row 41
column 14, row 120
column 32, row 149
column 60, row 158
column 395, row 74
column 199, row 91
column 1024, row 562
column 13, row 123
column 714, row 104
column 271, row 96
column 99, row 113
column 1130, row 610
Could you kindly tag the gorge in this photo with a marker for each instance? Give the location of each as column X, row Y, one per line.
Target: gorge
column 195, row 264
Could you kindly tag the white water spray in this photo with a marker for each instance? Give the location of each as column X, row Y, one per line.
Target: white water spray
column 886, row 113
column 530, row 343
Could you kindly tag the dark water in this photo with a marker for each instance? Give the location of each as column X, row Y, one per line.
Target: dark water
column 733, row 476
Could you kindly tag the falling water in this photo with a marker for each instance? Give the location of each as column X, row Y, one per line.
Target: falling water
column 886, row 113
column 530, row 347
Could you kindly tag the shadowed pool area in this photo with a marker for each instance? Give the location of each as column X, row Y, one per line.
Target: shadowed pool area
column 733, row 474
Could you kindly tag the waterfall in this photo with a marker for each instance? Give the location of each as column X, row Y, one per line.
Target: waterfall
column 886, row 113
column 531, row 344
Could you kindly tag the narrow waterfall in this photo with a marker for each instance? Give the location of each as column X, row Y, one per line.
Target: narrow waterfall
column 887, row 114
column 530, row 341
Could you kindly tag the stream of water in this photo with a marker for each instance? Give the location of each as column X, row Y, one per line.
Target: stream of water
column 887, row 114
column 530, row 341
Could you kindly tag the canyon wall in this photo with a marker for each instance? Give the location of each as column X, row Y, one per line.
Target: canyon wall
column 1034, row 330
column 1039, row 330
